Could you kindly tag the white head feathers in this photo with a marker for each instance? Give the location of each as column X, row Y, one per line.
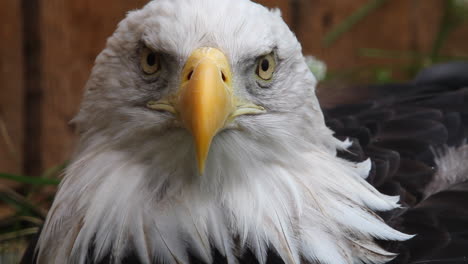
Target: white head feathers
column 271, row 180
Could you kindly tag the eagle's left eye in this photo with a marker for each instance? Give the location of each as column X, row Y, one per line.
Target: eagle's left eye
column 266, row 67
column 149, row 61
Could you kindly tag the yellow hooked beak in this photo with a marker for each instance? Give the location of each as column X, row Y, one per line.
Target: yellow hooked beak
column 205, row 102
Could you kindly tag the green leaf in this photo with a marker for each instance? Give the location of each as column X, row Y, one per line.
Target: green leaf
column 383, row 75
column 29, row 180
column 51, row 172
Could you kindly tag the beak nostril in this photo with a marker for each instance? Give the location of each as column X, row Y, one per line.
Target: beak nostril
column 223, row 76
column 189, row 75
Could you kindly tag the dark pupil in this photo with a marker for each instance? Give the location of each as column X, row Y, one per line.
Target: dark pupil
column 151, row 59
column 265, row 65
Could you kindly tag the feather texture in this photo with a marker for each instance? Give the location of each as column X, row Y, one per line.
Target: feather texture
column 272, row 182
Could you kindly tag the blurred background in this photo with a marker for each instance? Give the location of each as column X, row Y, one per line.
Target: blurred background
column 47, row 49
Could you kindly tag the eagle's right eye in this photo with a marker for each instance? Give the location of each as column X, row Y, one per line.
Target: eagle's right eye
column 149, row 61
column 266, row 67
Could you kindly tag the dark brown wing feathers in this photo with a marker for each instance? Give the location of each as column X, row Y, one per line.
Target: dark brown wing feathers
column 399, row 129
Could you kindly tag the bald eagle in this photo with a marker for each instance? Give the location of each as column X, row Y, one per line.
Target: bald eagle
column 202, row 141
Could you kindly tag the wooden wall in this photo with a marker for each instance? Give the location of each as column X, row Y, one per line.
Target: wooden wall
column 11, row 87
column 47, row 48
column 71, row 39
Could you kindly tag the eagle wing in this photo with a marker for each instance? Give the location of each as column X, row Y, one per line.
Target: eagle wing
column 415, row 134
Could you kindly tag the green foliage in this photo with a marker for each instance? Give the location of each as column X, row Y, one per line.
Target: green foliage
column 28, row 206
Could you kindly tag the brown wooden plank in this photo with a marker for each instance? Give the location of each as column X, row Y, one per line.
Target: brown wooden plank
column 456, row 44
column 426, row 17
column 11, row 87
column 32, row 88
column 399, row 25
column 73, row 33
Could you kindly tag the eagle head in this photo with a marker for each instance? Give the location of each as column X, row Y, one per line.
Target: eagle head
column 200, row 130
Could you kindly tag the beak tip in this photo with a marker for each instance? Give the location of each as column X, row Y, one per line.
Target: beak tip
column 202, row 155
column 201, row 169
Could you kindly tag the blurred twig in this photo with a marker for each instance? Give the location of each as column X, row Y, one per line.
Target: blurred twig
column 8, row 141
column 446, row 26
column 19, row 202
column 350, row 21
column 29, row 180
column 12, row 220
column 455, row 13
column 18, row 234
